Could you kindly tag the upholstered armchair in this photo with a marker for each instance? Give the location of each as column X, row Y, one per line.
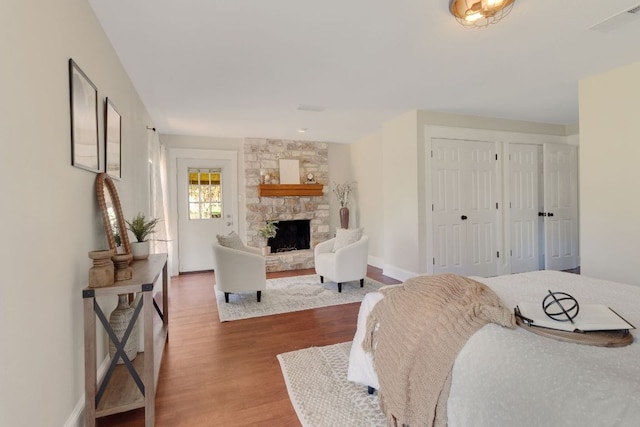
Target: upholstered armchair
column 342, row 260
column 239, row 269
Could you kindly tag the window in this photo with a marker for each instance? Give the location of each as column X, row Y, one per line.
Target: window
column 205, row 193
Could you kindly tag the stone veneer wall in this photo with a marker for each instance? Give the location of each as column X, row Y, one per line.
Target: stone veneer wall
column 262, row 157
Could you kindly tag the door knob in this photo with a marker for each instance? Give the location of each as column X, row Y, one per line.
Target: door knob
column 463, row 217
column 550, row 213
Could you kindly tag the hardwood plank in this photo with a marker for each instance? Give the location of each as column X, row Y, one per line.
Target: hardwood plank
column 227, row 374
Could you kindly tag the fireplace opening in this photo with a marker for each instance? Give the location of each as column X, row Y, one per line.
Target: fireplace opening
column 292, row 235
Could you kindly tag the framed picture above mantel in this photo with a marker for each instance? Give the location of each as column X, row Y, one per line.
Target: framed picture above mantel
column 282, row 190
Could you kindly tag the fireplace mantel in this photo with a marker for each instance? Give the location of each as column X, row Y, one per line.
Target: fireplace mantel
column 280, row 190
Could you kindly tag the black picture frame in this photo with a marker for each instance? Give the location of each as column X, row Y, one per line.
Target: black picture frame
column 83, row 94
column 112, row 140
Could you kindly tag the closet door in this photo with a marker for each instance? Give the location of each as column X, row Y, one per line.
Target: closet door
column 524, row 172
column 560, row 206
column 449, row 243
column 464, row 207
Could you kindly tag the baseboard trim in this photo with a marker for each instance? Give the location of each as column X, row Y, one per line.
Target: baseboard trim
column 375, row 262
column 76, row 418
column 397, row 273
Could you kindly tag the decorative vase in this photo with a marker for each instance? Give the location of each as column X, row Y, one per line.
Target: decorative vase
column 344, row 217
column 102, row 272
column 119, row 321
column 140, row 250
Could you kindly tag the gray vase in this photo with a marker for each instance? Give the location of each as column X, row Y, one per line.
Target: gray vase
column 119, row 321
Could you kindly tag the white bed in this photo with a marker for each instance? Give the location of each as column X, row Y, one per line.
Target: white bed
column 514, row 377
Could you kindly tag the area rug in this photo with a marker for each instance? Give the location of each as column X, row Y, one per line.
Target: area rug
column 292, row 294
column 322, row 396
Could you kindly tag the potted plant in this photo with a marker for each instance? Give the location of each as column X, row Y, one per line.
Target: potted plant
column 268, row 231
column 141, row 227
column 342, row 192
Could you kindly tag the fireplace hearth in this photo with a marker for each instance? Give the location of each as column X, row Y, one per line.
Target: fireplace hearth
column 292, row 235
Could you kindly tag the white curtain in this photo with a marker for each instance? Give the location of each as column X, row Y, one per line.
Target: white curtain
column 162, row 242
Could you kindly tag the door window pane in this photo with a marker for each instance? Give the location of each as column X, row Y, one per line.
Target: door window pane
column 205, row 193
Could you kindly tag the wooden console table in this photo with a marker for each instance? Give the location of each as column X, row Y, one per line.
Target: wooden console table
column 133, row 384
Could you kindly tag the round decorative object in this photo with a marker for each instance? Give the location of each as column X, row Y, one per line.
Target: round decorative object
column 102, row 272
column 119, row 321
column 560, row 306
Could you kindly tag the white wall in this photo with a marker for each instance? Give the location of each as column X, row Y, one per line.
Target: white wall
column 49, row 218
column 609, row 174
column 400, row 151
column 368, row 172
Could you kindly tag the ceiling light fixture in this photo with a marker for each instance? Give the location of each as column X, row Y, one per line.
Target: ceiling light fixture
column 480, row 13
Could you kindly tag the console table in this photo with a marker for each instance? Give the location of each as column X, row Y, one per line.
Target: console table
column 133, row 384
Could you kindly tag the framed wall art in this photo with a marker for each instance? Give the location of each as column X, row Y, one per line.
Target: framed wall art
column 85, row 149
column 113, row 140
column 289, row 171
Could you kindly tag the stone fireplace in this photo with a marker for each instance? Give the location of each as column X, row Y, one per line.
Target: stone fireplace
column 262, row 158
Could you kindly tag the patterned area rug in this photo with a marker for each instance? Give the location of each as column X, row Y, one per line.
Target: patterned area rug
column 292, row 294
column 322, row 396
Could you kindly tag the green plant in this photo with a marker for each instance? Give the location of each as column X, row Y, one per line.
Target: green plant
column 269, row 230
column 141, row 227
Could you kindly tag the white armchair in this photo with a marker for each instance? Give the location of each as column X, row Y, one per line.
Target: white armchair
column 346, row 264
column 239, row 270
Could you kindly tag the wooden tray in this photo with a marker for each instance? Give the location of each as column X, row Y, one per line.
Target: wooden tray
column 600, row 338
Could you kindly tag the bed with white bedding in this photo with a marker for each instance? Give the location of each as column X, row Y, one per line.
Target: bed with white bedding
column 503, row 376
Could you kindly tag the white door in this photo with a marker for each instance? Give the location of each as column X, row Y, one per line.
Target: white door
column 464, row 210
column 524, row 173
column 205, row 209
column 560, row 206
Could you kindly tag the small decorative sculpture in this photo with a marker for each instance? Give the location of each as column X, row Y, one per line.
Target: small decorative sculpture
column 560, row 306
column 102, row 272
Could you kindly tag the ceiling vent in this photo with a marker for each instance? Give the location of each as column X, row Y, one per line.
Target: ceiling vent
column 315, row 108
column 618, row 20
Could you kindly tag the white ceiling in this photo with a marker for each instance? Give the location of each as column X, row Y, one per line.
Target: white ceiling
column 241, row 68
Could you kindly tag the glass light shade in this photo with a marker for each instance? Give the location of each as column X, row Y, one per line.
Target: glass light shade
column 480, row 13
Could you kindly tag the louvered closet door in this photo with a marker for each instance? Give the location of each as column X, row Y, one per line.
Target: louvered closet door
column 464, row 215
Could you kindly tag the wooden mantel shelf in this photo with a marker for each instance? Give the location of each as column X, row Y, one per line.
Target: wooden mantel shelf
column 280, row 190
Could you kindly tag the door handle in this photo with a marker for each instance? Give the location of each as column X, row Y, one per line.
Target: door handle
column 463, row 217
column 542, row 214
column 550, row 214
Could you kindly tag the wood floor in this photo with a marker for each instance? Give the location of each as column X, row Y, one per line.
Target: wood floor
column 227, row 374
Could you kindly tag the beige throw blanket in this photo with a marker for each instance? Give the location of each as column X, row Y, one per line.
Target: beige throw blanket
column 416, row 332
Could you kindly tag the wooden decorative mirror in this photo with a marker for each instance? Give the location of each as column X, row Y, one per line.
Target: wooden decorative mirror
column 112, row 218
